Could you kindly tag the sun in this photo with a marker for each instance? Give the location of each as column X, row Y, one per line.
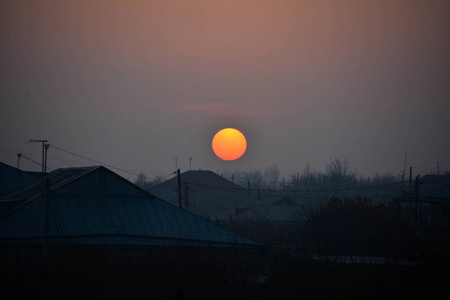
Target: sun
column 229, row 144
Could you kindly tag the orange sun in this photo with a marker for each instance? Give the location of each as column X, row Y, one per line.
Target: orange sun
column 229, row 144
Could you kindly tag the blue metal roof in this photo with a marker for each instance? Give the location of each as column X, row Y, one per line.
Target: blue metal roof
column 439, row 194
column 87, row 216
column 35, row 189
column 12, row 178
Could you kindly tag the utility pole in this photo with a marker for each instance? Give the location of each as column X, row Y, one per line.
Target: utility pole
column 46, row 220
column 410, row 175
column 18, row 159
column 403, row 175
column 179, row 188
column 45, row 161
column 190, row 160
column 43, row 153
column 46, row 195
column 417, row 208
column 186, row 196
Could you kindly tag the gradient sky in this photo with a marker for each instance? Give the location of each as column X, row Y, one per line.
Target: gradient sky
column 134, row 84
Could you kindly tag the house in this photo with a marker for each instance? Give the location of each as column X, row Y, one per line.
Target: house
column 428, row 199
column 93, row 205
column 80, row 229
column 437, row 195
column 271, row 208
column 203, row 193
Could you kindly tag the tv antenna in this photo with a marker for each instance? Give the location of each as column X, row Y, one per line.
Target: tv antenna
column 44, row 153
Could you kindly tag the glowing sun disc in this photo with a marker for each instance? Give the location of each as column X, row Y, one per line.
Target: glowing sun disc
column 229, row 144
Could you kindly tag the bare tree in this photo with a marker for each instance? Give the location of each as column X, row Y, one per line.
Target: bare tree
column 144, row 183
column 158, row 179
column 272, row 176
column 252, row 179
column 388, row 178
column 338, row 173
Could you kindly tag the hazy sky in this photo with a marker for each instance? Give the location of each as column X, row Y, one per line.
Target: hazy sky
column 134, row 84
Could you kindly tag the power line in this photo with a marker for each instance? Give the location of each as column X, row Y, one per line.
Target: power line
column 430, row 169
column 60, row 158
column 14, row 152
column 92, row 160
column 71, row 163
column 245, row 190
column 31, row 160
column 137, row 172
column 131, row 172
column 276, row 193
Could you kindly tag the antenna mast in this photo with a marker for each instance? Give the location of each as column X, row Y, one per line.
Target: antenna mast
column 44, row 153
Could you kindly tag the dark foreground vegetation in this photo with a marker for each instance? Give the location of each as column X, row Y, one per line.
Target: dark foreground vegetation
column 349, row 249
column 289, row 277
column 353, row 249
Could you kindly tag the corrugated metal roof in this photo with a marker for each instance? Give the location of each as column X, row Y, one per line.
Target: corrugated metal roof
column 442, row 193
column 35, row 189
column 207, row 193
column 435, row 187
column 94, row 218
column 109, row 220
column 12, row 178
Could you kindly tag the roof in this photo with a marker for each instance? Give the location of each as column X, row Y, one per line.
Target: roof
column 271, row 208
column 205, row 192
column 442, row 193
column 432, row 188
column 201, row 177
column 12, row 178
column 435, row 187
column 35, row 189
column 93, row 205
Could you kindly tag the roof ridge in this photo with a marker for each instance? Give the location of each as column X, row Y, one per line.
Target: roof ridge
column 72, row 177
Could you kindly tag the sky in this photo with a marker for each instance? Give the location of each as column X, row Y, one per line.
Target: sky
column 143, row 86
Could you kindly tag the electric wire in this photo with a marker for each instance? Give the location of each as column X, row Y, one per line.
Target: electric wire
column 96, row 161
column 294, row 194
column 22, row 154
column 299, row 191
column 137, row 173
column 130, row 172
column 60, row 158
column 15, row 152
column 430, row 169
column 40, row 165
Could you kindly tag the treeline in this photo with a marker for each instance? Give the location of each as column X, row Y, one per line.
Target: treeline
column 337, row 175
